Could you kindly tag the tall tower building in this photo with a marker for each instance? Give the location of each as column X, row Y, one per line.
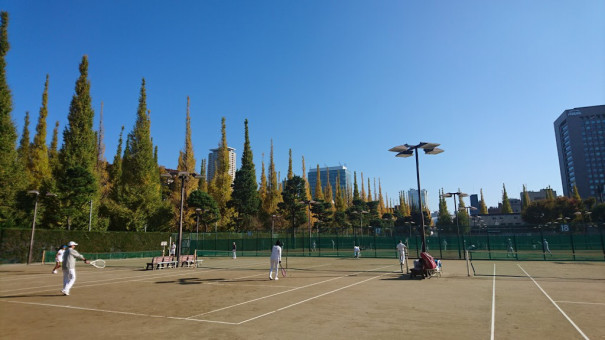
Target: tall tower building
column 413, row 198
column 335, row 172
column 212, row 162
column 580, row 136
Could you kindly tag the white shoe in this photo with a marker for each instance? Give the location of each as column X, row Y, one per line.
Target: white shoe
column 65, row 293
column 54, row 272
column 276, row 278
column 270, row 278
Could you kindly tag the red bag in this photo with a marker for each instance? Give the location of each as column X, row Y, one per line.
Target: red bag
column 428, row 261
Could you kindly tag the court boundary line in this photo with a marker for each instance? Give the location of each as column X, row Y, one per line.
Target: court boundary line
column 554, row 303
column 119, row 312
column 493, row 304
column 283, row 292
column 311, row 298
column 583, row 303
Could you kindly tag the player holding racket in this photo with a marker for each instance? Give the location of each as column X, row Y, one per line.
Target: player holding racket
column 69, row 266
column 275, row 260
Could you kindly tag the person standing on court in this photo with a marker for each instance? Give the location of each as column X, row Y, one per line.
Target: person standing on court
column 69, row 266
column 401, row 251
column 234, row 250
column 173, row 249
column 59, row 258
column 275, row 260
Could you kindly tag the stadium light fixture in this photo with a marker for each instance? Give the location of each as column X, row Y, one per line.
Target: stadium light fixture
column 407, row 150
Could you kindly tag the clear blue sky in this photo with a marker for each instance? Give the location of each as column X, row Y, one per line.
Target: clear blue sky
column 338, row 82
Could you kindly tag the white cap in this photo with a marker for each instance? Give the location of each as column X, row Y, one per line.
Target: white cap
column 72, row 243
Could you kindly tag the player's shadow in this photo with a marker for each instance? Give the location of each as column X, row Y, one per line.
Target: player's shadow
column 29, row 295
column 189, row 281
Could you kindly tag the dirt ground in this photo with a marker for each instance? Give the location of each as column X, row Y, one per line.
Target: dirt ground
column 321, row 298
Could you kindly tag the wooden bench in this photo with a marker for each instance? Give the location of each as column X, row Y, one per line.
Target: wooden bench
column 159, row 262
column 190, row 261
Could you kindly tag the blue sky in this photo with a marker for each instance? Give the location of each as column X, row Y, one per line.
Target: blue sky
column 338, row 82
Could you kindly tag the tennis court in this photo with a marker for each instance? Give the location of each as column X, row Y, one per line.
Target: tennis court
column 320, row 298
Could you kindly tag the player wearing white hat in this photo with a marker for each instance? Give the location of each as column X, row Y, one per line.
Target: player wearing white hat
column 69, row 266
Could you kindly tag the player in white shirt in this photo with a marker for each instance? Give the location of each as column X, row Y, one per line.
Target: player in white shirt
column 401, row 251
column 275, row 260
column 59, row 258
column 356, row 251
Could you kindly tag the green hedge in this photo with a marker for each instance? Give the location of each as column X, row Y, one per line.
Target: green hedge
column 14, row 243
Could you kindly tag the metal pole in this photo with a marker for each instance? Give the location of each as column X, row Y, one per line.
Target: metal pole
column 309, row 203
column 179, row 243
column 420, row 203
column 31, row 240
column 457, row 225
column 90, row 217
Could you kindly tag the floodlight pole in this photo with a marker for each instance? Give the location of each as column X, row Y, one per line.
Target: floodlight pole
column 31, row 239
column 453, row 194
column 423, row 237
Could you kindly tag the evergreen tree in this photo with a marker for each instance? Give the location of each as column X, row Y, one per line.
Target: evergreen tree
column 328, row 194
column 140, row 191
column 210, row 212
column 187, row 157
column 290, row 171
column 290, row 207
column 102, row 171
column 115, row 173
column 381, row 208
column 355, row 188
column 363, row 191
column 319, row 195
column 53, row 152
column 273, row 190
column 506, row 208
column 11, row 180
column 525, row 201
column 482, row 205
column 39, row 164
column 24, row 153
column 369, row 192
column 262, row 190
column 245, row 198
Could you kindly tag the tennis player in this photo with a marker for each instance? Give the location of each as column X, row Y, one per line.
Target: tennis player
column 59, row 258
column 69, row 266
column 275, row 260
column 401, row 251
column 356, row 252
column 234, row 250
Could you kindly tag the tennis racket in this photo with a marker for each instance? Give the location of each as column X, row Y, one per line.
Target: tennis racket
column 283, row 271
column 98, row 263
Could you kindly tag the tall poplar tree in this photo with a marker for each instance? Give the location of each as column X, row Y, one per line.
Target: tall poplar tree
column 308, row 196
column 203, row 182
column 339, row 199
column 262, row 190
column 355, row 188
column 39, row 164
column 273, row 192
column 220, row 189
column 525, row 201
column 369, row 199
column 328, row 194
column 53, row 152
column 140, row 182
column 506, row 208
column 381, row 208
column 245, row 199
column 23, row 152
column 78, row 156
column 290, row 171
column 482, row 205
column 319, row 195
column 11, row 180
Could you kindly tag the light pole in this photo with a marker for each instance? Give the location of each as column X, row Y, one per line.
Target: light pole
column 183, row 175
column 454, row 194
column 360, row 213
column 407, row 151
column 273, row 217
column 31, row 239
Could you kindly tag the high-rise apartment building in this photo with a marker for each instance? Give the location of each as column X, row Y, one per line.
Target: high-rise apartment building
column 212, row 162
column 340, row 172
column 413, row 198
column 580, row 136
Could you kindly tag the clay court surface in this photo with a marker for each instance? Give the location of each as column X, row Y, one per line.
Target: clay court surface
column 321, row 298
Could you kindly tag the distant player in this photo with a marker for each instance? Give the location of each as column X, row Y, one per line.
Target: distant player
column 546, row 247
column 510, row 250
column 173, row 249
column 356, row 252
column 234, row 250
column 401, row 251
column 59, row 258
column 275, row 260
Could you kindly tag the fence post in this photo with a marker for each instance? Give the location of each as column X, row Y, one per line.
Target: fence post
column 542, row 242
column 573, row 248
column 602, row 243
column 375, row 254
column 489, row 246
column 516, row 247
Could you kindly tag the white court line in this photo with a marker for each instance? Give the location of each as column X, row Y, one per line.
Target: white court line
column 583, row 303
column 118, row 312
column 117, row 280
column 311, row 298
column 554, row 303
column 494, row 303
column 286, row 291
